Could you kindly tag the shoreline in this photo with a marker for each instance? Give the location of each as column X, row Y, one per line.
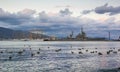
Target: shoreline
column 63, row 41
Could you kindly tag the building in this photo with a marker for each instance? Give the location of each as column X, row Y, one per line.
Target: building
column 71, row 35
column 81, row 36
column 53, row 38
column 36, row 34
column 119, row 38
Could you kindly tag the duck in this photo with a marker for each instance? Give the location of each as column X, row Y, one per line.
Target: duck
column 38, row 52
column 10, row 57
column 80, row 53
column 72, row 52
column 32, row 54
column 100, row 53
column 58, row 50
column 20, row 52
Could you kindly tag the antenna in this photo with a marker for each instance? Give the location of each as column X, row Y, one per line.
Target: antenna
column 81, row 29
column 109, row 35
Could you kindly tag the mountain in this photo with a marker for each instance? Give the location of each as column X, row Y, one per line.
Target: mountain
column 6, row 33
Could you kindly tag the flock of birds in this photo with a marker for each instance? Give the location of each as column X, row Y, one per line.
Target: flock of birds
column 80, row 51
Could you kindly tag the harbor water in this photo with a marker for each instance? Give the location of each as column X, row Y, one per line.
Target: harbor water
column 59, row 56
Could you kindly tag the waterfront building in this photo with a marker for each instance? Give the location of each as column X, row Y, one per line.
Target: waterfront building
column 82, row 35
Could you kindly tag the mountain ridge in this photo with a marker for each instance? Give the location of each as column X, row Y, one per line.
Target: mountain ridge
column 6, row 33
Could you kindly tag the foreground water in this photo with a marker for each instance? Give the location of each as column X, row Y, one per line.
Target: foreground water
column 35, row 56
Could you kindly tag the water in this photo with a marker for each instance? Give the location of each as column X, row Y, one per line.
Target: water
column 55, row 56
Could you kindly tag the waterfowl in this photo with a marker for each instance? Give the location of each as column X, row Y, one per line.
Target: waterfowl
column 32, row 54
column 86, row 50
column 79, row 49
column 118, row 49
column 20, row 52
column 80, row 53
column 58, row 50
column 10, row 57
column 108, row 52
column 72, row 52
column 38, row 52
column 100, row 53
column 115, row 52
column 1, row 52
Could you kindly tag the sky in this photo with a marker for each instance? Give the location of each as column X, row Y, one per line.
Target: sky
column 60, row 17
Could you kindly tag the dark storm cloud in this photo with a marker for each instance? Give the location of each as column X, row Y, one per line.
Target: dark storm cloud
column 111, row 10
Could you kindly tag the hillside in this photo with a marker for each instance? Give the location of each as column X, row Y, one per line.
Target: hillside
column 6, row 33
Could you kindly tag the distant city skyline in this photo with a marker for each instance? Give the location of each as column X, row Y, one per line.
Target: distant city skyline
column 59, row 17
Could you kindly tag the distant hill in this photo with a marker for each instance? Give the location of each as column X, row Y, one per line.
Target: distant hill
column 6, row 33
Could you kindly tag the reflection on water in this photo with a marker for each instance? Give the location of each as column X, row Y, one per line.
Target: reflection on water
column 59, row 56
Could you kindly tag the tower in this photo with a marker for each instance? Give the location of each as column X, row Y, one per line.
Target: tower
column 71, row 35
column 83, row 34
column 81, row 29
column 109, row 35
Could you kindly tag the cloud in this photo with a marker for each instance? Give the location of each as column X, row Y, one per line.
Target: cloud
column 59, row 24
column 107, row 9
column 111, row 10
column 66, row 6
column 86, row 11
column 65, row 12
column 27, row 12
column 16, row 18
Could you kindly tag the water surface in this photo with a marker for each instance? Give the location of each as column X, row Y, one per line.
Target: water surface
column 59, row 56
